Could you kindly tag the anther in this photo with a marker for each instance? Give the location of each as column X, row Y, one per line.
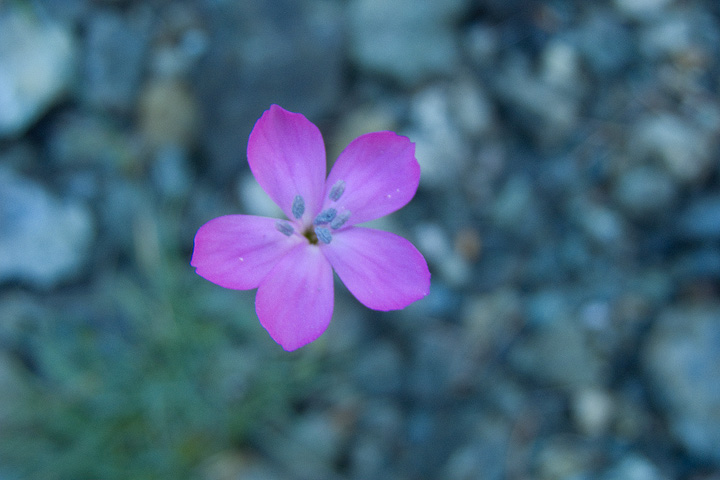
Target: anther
column 340, row 220
column 323, row 234
column 298, row 206
column 336, row 191
column 284, row 227
column 326, row 216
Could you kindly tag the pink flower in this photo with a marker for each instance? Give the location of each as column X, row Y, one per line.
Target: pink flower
column 291, row 261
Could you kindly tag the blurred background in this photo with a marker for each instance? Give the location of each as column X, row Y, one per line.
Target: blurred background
column 569, row 208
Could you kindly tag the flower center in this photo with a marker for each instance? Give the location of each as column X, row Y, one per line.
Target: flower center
column 310, row 235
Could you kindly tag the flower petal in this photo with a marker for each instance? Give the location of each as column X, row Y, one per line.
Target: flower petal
column 383, row 270
column 286, row 154
column 380, row 173
column 238, row 251
column 295, row 301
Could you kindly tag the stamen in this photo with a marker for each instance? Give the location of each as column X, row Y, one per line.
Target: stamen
column 323, row 234
column 340, row 220
column 284, row 227
column 336, row 191
column 326, row 216
column 298, row 206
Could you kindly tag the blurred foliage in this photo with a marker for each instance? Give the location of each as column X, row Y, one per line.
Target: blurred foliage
column 152, row 378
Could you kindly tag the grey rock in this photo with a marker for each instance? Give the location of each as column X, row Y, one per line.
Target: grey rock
column 439, row 143
column 379, row 369
column 309, row 447
column 634, row 467
column 698, row 264
column 700, row 220
column 408, row 40
column 432, row 240
column 490, row 320
column 681, row 358
column 556, row 350
column 560, row 457
column 36, row 67
column 167, row 114
column 537, row 103
column 684, row 148
column 646, row 192
column 44, row 241
column 592, row 411
column 78, row 141
column 170, row 172
column 259, row 53
column 605, row 44
column 443, row 363
column 600, row 223
column 379, row 426
column 116, row 46
column 643, row 10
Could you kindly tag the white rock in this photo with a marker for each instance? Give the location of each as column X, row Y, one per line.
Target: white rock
column 36, row 66
column 44, row 241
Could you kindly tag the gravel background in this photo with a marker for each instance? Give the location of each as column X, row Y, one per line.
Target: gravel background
column 569, row 209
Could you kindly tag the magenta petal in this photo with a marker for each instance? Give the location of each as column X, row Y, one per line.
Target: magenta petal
column 295, row 301
column 383, row 270
column 380, row 173
column 238, row 251
column 286, row 154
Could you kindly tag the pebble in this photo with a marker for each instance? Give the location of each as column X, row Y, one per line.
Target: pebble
column 285, row 52
column 440, row 147
column 308, row 447
column 681, row 357
column 683, row 148
column 37, row 59
column 45, row 241
column 556, row 350
column 410, row 41
column 85, row 141
column 116, row 46
column 379, row 368
column 700, row 219
column 547, row 111
column 490, row 320
column 646, row 193
column 592, row 410
column 168, row 115
column 602, row 224
column 254, row 200
column 438, row 249
column 170, row 172
column 641, row 10
column 605, row 44
column 634, row 467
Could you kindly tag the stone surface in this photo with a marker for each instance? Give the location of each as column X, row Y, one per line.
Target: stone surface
column 409, row 40
column 116, row 44
column 700, row 220
column 642, row 9
column 278, row 51
column 44, row 240
column 646, row 193
column 556, row 350
column 37, row 60
column 683, row 147
column 681, row 358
